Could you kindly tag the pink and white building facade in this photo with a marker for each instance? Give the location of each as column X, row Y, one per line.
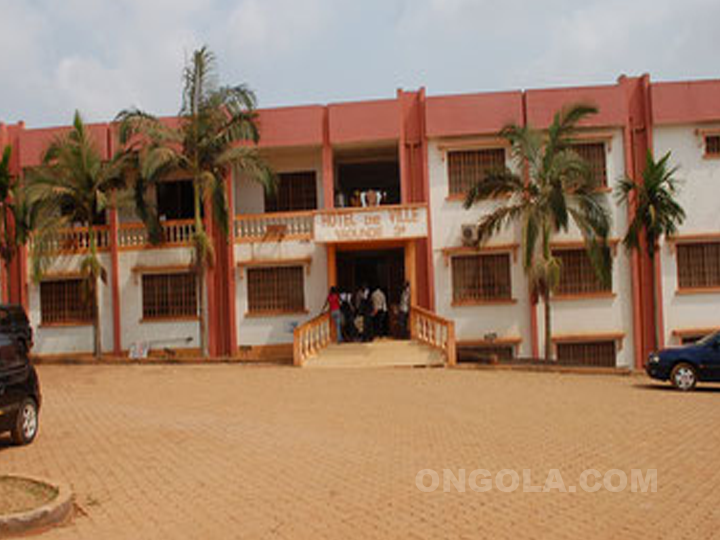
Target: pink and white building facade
column 420, row 153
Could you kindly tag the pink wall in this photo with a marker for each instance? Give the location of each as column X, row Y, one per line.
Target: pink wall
column 291, row 126
column 543, row 104
column 685, row 102
column 472, row 114
column 33, row 142
column 364, row 121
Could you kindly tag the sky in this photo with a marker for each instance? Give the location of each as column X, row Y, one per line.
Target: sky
column 102, row 56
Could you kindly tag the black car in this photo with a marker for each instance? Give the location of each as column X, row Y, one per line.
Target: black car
column 19, row 388
column 685, row 366
column 14, row 323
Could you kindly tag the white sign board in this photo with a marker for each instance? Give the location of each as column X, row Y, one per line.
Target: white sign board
column 368, row 224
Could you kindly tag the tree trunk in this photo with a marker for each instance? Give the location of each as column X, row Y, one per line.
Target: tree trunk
column 97, row 337
column 548, row 327
column 201, row 310
column 655, row 298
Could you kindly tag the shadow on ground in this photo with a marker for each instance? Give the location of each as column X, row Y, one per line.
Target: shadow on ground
column 669, row 388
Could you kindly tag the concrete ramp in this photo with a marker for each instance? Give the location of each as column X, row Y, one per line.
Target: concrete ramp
column 379, row 353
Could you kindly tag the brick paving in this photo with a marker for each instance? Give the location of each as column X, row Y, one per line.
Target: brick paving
column 270, row 452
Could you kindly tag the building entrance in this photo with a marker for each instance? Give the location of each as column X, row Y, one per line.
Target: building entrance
column 377, row 268
column 384, row 268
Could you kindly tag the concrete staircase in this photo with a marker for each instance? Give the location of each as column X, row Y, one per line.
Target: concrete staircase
column 379, row 353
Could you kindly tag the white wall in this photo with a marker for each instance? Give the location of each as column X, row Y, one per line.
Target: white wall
column 700, row 197
column 471, row 322
column 570, row 317
column 279, row 330
column 602, row 315
column 50, row 340
column 249, row 195
column 158, row 333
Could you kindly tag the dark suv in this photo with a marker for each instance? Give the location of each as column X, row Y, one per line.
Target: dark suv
column 19, row 389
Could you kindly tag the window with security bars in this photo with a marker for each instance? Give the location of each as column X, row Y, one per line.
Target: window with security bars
column 594, row 155
column 480, row 353
column 698, row 265
column 478, row 278
column 468, row 167
column 712, row 145
column 577, row 275
column 587, row 353
column 65, row 301
column 295, row 192
column 168, row 296
column 276, row 290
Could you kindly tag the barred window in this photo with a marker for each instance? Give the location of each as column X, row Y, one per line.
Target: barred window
column 480, row 353
column 577, row 275
column 276, row 290
column 295, row 192
column 712, row 145
column 594, row 155
column 167, row 296
column 698, row 265
column 65, row 301
column 477, row 278
column 588, row 353
column 468, row 167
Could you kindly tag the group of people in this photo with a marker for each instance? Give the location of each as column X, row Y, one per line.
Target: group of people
column 363, row 315
column 364, row 199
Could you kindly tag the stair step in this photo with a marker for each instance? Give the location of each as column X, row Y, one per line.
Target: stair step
column 380, row 353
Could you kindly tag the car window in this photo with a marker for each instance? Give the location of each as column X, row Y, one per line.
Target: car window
column 710, row 339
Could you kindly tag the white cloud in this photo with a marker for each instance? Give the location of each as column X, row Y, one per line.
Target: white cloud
column 100, row 56
column 259, row 29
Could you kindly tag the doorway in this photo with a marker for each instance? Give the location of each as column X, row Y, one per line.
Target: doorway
column 384, row 268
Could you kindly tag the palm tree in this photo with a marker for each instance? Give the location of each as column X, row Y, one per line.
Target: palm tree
column 74, row 185
column 657, row 212
column 557, row 189
column 217, row 133
column 17, row 217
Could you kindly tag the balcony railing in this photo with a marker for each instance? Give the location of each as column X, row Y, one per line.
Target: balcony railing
column 268, row 227
column 337, row 225
column 76, row 240
column 175, row 233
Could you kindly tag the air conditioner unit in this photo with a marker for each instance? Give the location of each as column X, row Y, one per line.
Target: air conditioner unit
column 469, row 234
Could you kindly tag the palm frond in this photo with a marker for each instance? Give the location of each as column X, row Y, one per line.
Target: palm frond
column 497, row 183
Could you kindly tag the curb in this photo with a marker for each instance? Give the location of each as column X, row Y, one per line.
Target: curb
column 51, row 513
column 622, row 372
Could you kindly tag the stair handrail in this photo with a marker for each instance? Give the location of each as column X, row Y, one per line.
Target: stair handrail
column 437, row 332
column 311, row 337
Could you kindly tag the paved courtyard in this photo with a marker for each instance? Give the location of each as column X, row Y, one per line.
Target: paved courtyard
column 271, row 452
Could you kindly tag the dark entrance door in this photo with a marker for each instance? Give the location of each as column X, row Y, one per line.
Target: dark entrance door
column 384, row 268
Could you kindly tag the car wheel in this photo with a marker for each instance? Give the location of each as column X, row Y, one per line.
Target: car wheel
column 684, row 377
column 26, row 422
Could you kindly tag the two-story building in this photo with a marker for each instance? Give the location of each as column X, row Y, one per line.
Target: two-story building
column 371, row 192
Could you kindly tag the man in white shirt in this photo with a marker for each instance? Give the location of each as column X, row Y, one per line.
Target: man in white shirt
column 405, row 310
column 379, row 303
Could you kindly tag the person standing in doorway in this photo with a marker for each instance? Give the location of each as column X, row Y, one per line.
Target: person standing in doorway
column 405, row 310
column 364, row 309
column 379, row 307
column 333, row 302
